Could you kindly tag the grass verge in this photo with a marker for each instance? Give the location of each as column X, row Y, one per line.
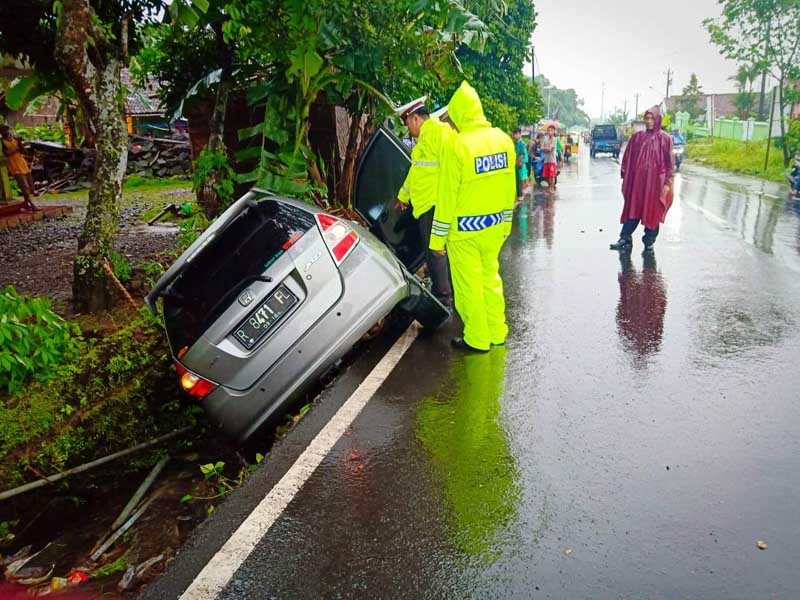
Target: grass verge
column 746, row 158
column 117, row 391
column 133, row 183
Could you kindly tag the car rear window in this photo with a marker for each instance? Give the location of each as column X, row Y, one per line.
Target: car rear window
column 242, row 251
column 604, row 132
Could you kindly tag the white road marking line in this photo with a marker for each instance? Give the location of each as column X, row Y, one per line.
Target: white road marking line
column 708, row 214
column 222, row 566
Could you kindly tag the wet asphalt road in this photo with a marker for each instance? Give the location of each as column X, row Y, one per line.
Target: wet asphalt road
column 635, row 439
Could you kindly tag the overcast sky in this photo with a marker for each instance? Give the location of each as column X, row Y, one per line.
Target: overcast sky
column 629, row 44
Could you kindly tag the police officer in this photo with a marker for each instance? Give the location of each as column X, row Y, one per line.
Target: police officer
column 473, row 218
column 421, row 186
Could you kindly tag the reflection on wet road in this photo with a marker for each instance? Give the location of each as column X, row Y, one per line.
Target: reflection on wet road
column 635, row 439
column 641, row 308
column 459, row 426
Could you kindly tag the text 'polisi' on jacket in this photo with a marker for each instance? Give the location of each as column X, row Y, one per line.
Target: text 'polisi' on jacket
column 491, row 162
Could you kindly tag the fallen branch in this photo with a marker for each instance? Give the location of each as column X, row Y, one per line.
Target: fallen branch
column 91, row 465
column 128, row 524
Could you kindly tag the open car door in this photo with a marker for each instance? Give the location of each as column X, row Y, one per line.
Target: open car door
column 380, row 174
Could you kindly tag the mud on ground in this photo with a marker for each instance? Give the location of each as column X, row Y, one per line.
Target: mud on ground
column 37, row 259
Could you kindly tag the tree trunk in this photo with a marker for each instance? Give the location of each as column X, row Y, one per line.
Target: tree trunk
column 96, row 81
column 71, row 123
column 91, row 290
column 207, row 196
column 345, row 188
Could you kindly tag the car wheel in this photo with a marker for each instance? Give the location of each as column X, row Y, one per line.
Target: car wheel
column 422, row 305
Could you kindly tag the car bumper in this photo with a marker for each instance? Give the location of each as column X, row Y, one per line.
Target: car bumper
column 372, row 288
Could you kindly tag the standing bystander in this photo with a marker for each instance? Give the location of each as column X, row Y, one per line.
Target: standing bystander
column 550, row 169
column 521, row 149
column 18, row 166
column 647, row 171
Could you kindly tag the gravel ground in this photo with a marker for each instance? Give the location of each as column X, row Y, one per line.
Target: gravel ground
column 37, row 259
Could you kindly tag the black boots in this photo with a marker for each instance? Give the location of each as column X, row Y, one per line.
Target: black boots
column 621, row 244
column 458, row 342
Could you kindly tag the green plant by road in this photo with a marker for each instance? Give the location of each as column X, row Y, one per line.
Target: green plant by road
column 746, row 158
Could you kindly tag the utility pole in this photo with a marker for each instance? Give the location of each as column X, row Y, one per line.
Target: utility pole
column 533, row 64
column 769, row 132
column 602, row 100
column 669, row 75
column 625, row 110
column 762, row 97
column 636, row 95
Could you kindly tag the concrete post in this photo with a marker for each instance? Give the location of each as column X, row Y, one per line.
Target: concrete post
column 749, row 128
column 5, row 186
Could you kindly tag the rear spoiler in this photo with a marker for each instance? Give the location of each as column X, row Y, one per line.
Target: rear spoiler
column 198, row 245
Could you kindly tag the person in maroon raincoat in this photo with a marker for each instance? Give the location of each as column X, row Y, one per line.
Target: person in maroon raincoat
column 647, row 171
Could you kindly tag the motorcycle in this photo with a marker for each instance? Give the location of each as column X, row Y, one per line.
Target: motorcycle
column 678, row 153
column 794, row 180
column 537, row 164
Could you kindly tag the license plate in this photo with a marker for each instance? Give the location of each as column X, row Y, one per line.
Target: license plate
column 265, row 317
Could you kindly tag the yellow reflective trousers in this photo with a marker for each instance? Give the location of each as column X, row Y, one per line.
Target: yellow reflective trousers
column 478, row 288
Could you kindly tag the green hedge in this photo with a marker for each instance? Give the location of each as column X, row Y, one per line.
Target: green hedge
column 116, row 391
column 746, row 158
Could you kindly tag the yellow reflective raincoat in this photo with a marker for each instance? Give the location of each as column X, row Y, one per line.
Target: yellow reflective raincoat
column 473, row 217
column 478, row 186
column 421, row 186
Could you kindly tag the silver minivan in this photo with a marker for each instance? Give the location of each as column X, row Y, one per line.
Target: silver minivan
column 276, row 291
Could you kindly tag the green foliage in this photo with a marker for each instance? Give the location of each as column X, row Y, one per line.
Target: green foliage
column 691, row 96
column 496, row 71
column 793, row 137
column 222, row 485
column 116, row 390
column 46, row 133
column 746, row 158
column 6, row 535
column 115, row 566
column 745, row 97
column 191, row 228
column 565, row 105
column 354, row 54
column 34, row 341
column 212, row 166
column 152, row 271
column 122, row 266
column 138, row 182
column 618, row 117
column 178, row 58
column 763, row 34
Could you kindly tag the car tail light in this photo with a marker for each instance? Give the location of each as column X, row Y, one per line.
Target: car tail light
column 194, row 384
column 339, row 237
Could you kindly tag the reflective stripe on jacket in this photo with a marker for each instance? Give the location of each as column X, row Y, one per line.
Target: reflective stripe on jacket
column 478, row 183
column 421, row 186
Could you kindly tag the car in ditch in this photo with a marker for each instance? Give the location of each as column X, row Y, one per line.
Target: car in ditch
column 276, row 291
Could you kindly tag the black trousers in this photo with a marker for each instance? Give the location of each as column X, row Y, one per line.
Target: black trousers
column 438, row 267
column 630, row 226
